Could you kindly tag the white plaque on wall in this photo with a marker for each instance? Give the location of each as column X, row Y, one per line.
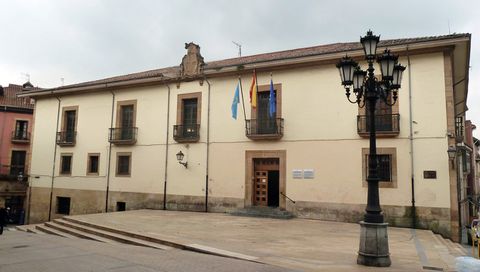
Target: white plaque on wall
column 297, row 173
column 308, row 173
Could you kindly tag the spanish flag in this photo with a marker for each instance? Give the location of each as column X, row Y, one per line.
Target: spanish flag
column 253, row 90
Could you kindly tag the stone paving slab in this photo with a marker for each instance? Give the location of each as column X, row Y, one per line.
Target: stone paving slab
column 307, row 245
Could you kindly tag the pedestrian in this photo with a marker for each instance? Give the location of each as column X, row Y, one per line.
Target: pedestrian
column 3, row 218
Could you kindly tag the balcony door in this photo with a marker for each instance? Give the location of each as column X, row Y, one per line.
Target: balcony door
column 265, row 123
column 189, row 114
column 383, row 118
column 21, row 128
column 70, row 119
column 126, row 122
column 17, row 163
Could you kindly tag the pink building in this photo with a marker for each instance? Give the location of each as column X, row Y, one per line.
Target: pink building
column 16, row 122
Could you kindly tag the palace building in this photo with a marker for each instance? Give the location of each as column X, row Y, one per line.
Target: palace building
column 115, row 144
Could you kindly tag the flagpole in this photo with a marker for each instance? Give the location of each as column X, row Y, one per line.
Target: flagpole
column 243, row 101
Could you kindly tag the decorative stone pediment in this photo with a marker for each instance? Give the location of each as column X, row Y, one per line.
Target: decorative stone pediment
column 192, row 62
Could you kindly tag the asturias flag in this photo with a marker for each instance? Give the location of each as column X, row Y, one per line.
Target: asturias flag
column 253, row 90
column 236, row 100
column 272, row 100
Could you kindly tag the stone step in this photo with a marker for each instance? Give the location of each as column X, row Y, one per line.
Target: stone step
column 48, row 230
column 108, row 235
column 267, row 212
column 75, row 233
column 162, row 241
column 29, row 228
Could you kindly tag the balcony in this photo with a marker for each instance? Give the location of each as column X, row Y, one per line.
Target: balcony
column 386, row 125
column 66, row 138
column 12, row 172
column 20, row 137
column 186, row 133
column 123, row 136
column 267, row 129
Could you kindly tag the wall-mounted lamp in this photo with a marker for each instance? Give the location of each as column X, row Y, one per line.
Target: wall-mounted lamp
column 452, row 153
column 180, row 159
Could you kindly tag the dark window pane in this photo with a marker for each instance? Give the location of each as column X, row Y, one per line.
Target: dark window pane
column 190, row 111
column 265, row 123
column 126, row 132
column 21, row 129
column 123, row 165
column 66, row 167
column 70, row 126
column 93, row 166
column 17, row 163
column 384, row 167
column 63, row 205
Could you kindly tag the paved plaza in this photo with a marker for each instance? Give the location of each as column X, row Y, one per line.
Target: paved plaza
column 21, row 251
column 299, row 244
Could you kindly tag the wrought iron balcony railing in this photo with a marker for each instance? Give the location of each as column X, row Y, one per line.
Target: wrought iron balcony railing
column 13, row 173
column 264, row 129
column 385, row 124
column 66, row 138
column 186, row 133
column 123, row 135
column 20, row 137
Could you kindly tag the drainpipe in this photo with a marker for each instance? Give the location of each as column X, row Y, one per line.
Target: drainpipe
column 208, row 146
column 109, row 154
column 412, row 165
column 54, row 161
column 166, row 151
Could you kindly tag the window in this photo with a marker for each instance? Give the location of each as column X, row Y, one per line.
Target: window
column 387, row 167
column 69, row 126
column 124, row 164
column 63, row 205
column 384, row 167
column 92, row 163
column 17, row 162
column 21, row 130
column 188, row 117
column 262, row 124
column 126, row 115
column 121, row 206
column 66, row 164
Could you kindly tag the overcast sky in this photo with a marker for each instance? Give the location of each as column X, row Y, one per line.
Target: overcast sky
column 86, row 40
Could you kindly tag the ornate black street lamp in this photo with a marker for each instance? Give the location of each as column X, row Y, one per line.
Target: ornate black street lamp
column 367, row 90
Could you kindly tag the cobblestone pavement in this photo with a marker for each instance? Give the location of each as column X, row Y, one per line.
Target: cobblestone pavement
column 20, row 251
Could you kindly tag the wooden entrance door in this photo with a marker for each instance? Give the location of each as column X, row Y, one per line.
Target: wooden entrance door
column 260, row 197
column 266, row 182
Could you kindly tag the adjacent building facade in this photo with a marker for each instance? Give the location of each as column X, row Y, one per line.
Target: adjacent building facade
column 112, row 144
column 16, row 122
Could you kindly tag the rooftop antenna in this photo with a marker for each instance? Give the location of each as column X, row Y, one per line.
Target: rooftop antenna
column 239, row 48
column 448, row 22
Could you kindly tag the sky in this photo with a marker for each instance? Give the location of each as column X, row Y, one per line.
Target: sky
column 73, row 41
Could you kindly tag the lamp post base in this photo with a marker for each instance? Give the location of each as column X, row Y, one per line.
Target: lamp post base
column 373, row 245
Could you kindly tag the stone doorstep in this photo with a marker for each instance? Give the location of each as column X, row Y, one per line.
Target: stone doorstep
column 159, row 242
column 106, row 236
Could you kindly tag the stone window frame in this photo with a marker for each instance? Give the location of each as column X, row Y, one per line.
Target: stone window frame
column 392, row 151
column 180, row 98
column 60, row 170
column 89, row 172
column 22, row 120
column 129, row 154
column 64, row 116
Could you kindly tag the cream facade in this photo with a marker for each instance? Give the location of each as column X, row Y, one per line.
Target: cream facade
column 317, row 161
